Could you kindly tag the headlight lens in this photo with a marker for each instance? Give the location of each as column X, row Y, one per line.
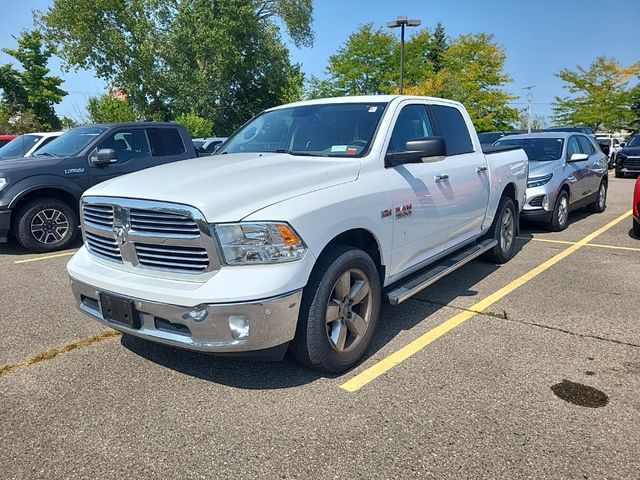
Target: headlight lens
column 250, row 243
column 3, row 183
column 538, row 181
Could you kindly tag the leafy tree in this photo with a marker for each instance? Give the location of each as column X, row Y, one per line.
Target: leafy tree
column 538, row 122
column 222, row 59
column 599, row 95
column 634, row 125
column 366, row 65
column 109, row 109
column 472, row 73
column 437, row 49
column 31, row 90
column 198, row 127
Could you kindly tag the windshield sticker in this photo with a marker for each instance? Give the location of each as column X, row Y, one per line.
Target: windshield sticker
column 338, row 148
column 373, row 109
column 352, row 151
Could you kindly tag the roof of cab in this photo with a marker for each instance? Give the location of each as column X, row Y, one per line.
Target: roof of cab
column 363, row 99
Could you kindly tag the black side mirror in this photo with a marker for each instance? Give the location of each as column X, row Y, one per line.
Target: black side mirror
column 420, row 150
column 103, row 157
column 623, row 144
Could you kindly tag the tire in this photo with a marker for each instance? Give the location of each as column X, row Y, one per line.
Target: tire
column 619, row 174
column 336, row 346
column 46, row 225
column 503, row 229
column 636, row 227
column 600, row 205
column 560, row 216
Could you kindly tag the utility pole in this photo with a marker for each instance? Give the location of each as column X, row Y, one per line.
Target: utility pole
column 402, row 22
column 529, row 98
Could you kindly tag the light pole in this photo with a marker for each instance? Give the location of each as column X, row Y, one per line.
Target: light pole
column 402, row 22
column 529, row 98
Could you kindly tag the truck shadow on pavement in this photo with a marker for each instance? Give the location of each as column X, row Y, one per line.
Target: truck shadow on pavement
column 255, row 374
column 13, row 248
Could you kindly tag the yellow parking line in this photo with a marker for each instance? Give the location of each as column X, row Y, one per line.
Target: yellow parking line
column 598, row 245
column 46, row 257
column 418, row 344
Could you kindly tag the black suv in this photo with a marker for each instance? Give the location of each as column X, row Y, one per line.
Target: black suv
column 39, row 195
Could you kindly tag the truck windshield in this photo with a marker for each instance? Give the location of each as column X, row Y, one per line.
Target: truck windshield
column 537, row 149
column 71, row 143
column 19, row 146
column 325, row 130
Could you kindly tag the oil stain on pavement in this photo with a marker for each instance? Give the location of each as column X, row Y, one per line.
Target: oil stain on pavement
column 579, row 394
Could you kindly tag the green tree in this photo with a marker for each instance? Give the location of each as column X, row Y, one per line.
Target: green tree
column 224, row 60
column 538, row 122
column 599, row 95
column 366, row 65
column 438, row 48
column 31, row 90
column 473, row 73
column 108, row 109
column 634, row 125
column 197, row 126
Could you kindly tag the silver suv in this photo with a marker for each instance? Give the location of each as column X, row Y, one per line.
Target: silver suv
column 566, row 171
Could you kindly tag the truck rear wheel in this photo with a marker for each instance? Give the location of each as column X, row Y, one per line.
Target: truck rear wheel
column 503, row 230
column 46, row 225
column 339, row 311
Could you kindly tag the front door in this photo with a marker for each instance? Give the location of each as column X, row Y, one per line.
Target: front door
column 420, row 205
column 577, row 172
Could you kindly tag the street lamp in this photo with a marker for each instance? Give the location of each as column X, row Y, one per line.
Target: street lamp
column 402, row 22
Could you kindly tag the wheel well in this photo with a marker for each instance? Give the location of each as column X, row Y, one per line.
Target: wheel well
column 364, row 240
column 49, row 192
column 566, row 188
column 510, row 191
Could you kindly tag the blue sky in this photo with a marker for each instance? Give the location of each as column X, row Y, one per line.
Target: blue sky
column 540, row 37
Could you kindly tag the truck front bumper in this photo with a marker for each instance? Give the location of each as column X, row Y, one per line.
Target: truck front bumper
column 213, row 328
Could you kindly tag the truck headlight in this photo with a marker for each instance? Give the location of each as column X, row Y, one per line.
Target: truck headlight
column 3, row 183
column 538, row 181
column 249, row 243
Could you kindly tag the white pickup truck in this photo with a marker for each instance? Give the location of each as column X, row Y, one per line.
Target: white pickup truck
column 294, row 232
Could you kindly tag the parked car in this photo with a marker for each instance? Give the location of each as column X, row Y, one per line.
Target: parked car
column 26, row 145
column 609, row 145
column 292, row 233
column 207, row 146
column 636, row 209
column 628, row 158
column 566, row 171
column 489, row 138
column 4, row 139
column 39, row 195
column 586, row 130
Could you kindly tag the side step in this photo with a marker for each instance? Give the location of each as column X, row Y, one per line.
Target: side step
column 418, row 282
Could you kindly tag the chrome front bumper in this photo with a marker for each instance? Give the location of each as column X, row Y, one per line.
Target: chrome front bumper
column 212, row 328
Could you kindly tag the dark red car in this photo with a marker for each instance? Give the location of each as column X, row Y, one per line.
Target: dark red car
column 636, row 209
column 4, row 139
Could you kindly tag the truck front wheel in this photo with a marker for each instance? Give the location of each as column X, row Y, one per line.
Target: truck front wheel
column 339, row 311
column 46, row 225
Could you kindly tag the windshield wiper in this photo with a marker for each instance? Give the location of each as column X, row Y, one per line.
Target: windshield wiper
column 297, row 153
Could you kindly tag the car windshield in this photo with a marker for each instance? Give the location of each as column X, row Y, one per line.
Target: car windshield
column 324, row 130
column 634, row 142
column 70, row 143
column 19, row 146
column 537, row 149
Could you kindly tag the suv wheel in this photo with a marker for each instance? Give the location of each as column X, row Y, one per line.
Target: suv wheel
column 600, row 204
column 636, row 227
column 46, row 225
column 503, row 230
column 560, row 216
column 339, row 312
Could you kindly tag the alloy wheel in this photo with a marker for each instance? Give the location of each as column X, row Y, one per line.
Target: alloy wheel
column 49, row 226
column 563, row 211
column 507, row 230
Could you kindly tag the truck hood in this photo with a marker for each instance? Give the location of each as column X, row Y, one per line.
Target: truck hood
column 19, row 164
column 227, row 188
column 629, row 151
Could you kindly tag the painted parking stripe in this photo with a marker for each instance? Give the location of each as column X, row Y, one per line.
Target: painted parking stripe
column 46, row 257
column 597, row 245
column 399, row 356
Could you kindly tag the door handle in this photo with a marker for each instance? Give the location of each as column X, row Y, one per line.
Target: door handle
column 481, row 169
column 441, row 178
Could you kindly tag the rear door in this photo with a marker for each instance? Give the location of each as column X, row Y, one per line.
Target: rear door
column 420, row 205
column 133, row 153
column 166, row 144
column 595, row 165
column 467, row 185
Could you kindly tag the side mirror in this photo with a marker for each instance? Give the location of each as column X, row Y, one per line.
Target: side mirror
column 427, row 150
column 578, row 157
column 623, row 144
column 103, row 157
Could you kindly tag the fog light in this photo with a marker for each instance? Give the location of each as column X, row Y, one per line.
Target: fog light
column 196, row 315
column 545, row 203
column 239, row 326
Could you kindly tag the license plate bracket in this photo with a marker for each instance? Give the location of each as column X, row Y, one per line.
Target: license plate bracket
column 119, row 310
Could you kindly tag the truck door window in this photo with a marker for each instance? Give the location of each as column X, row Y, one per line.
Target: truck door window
column 453, row 128
column 572, row 147
column 412, row 123
column 165, row 141
column 128, row 144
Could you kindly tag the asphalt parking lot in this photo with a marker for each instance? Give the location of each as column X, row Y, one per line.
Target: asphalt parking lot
column 527, row 370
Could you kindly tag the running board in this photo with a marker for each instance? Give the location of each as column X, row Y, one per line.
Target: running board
column 434, row 272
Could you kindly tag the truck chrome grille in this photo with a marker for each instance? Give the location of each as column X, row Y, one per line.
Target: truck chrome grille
column 171, row 239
